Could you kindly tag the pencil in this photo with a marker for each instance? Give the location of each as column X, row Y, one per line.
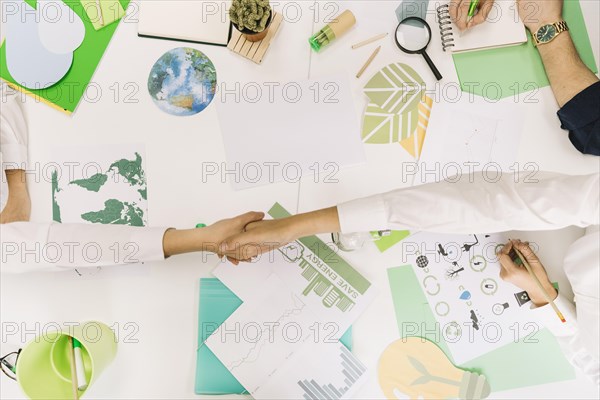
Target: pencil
column 370, row 40
column 369, row 61
column 73, row 370
column 100, row 16
column 539, row 284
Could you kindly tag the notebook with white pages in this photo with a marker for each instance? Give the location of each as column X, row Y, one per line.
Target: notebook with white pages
column 502, row 28
column 200, row 21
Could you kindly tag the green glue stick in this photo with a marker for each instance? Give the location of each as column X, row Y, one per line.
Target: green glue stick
column 79, row 366
column 336, row 28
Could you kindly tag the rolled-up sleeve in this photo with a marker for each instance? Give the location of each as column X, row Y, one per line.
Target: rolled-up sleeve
column 475, row 204
column 28, row 246
column 581, row 117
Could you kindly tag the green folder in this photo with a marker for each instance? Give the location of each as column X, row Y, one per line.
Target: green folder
column 509, row 71
column 68, row 92
column 217, row 303
column 520, row 364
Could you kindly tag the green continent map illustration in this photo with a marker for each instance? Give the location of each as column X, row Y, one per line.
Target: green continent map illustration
column 116, row 210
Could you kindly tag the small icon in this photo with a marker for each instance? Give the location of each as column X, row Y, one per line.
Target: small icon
column 522, row 298
column 478, row 263
column 422, row 261
column 453, row 273
column 498, row 308
column 442, row 251
column 466, row 295
column 474, row 320
column 489, row 286
column 467, row 246
column 452, row 331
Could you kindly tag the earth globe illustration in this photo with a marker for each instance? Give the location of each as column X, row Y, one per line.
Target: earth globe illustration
column 182, row 81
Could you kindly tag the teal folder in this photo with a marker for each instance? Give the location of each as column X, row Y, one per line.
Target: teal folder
column 217, row 303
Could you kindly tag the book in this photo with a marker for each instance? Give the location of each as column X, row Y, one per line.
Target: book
column 198, row 21
column 502, row 28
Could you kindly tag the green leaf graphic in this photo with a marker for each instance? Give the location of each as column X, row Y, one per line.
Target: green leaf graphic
column 395, row 88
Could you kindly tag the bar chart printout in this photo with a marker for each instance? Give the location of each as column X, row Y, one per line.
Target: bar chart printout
column 352, row 369
column 324, row 371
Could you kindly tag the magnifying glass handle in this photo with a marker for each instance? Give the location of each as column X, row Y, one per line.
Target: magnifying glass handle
column 434, row 69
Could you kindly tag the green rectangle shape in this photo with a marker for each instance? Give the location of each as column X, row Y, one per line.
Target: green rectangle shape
column 512, row 366
column 395, row 237
column 67, row 93
column 217, row 303
column 327, row 255
column 516, row 69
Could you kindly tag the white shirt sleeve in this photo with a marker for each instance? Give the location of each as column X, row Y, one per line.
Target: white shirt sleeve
column 28, row 246
column 569, row 336
column 13, row 132
column 476, row 204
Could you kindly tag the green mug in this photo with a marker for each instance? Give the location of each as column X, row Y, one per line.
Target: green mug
column 44, row 366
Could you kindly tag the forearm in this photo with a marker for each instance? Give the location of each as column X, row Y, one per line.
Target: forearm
column 312, row 223
column 180, row 241
column 568, row 75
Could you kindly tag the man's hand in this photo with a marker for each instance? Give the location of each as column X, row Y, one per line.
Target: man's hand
column 520, row 277
column 177, row 241
column 535, row 13
column 258, row 238
column 459, row 10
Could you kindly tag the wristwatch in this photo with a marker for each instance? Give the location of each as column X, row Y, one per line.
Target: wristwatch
column 548, row 32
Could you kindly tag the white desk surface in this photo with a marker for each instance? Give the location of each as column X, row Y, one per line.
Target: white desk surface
column 160, row 300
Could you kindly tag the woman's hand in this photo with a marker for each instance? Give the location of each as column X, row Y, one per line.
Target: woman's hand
column 18, row 205
column 259, row 237
column 520, row 277
column 177, row 241
column 459, row 10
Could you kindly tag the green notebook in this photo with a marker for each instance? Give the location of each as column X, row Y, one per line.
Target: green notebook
column 509, row 71
column 68, row 92
column 509, row 367
column 217, row 303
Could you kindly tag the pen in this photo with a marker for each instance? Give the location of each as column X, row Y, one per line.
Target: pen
column 472, row 8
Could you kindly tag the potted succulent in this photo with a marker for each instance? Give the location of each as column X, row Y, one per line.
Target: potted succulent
column 251, row 17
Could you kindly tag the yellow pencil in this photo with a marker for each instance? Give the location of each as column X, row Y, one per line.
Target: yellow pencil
column 539, row 284
column 364, row 67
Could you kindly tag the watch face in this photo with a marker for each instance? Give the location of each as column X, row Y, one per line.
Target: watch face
column 545, row 33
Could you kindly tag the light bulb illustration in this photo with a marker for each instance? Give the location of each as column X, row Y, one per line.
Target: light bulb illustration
column 418, row 368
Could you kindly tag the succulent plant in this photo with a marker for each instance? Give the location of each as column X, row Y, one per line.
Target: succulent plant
column 250, row 14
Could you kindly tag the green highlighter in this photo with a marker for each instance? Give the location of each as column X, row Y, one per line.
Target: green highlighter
column 472, row 9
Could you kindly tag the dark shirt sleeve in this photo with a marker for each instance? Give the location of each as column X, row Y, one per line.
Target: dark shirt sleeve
column 581, row 116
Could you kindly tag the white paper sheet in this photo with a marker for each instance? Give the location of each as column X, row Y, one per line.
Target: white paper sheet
column 92, row 184
column 477, row 312
column 472, row 134
column 275, row 347
column 281, row 131
column 335, row 292
column 283, row 342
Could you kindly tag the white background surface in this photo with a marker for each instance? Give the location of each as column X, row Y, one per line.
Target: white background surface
column 161, row 299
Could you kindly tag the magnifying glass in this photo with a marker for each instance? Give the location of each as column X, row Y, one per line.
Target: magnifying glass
column 413, row 35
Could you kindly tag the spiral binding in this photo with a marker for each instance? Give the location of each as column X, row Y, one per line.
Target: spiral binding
column 445, row 23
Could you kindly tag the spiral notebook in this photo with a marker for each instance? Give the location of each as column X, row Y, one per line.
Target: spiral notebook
column 502, row 28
